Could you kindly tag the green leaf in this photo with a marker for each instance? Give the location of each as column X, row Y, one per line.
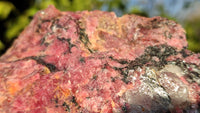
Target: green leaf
column 193, row 45
column 2, row 46
column 137, row 11
column 15, row 27
column 80, row 5
column 5, row 9
column 46, row 3
column 31, row 11
column 63, row 5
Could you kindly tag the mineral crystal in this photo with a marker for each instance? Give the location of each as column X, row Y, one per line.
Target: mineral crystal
column 86, row 62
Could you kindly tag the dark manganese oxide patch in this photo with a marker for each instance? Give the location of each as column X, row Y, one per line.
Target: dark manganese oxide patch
column 68, row 40
column 161, row 52
column 39, row 60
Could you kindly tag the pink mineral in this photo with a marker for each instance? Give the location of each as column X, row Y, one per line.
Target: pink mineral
column 87, row 62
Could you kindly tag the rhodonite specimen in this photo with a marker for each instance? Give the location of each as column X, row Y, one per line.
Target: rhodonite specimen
column 86, row 62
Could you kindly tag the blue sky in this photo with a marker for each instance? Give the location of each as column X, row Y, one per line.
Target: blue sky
column 173, row 7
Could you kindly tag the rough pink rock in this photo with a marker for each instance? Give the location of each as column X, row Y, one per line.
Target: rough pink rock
column 96, row 62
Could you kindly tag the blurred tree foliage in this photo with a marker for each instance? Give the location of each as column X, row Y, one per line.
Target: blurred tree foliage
column 15, row 16
column 192, row 28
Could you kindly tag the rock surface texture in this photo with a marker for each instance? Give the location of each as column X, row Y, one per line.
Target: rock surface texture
column 87, row 62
